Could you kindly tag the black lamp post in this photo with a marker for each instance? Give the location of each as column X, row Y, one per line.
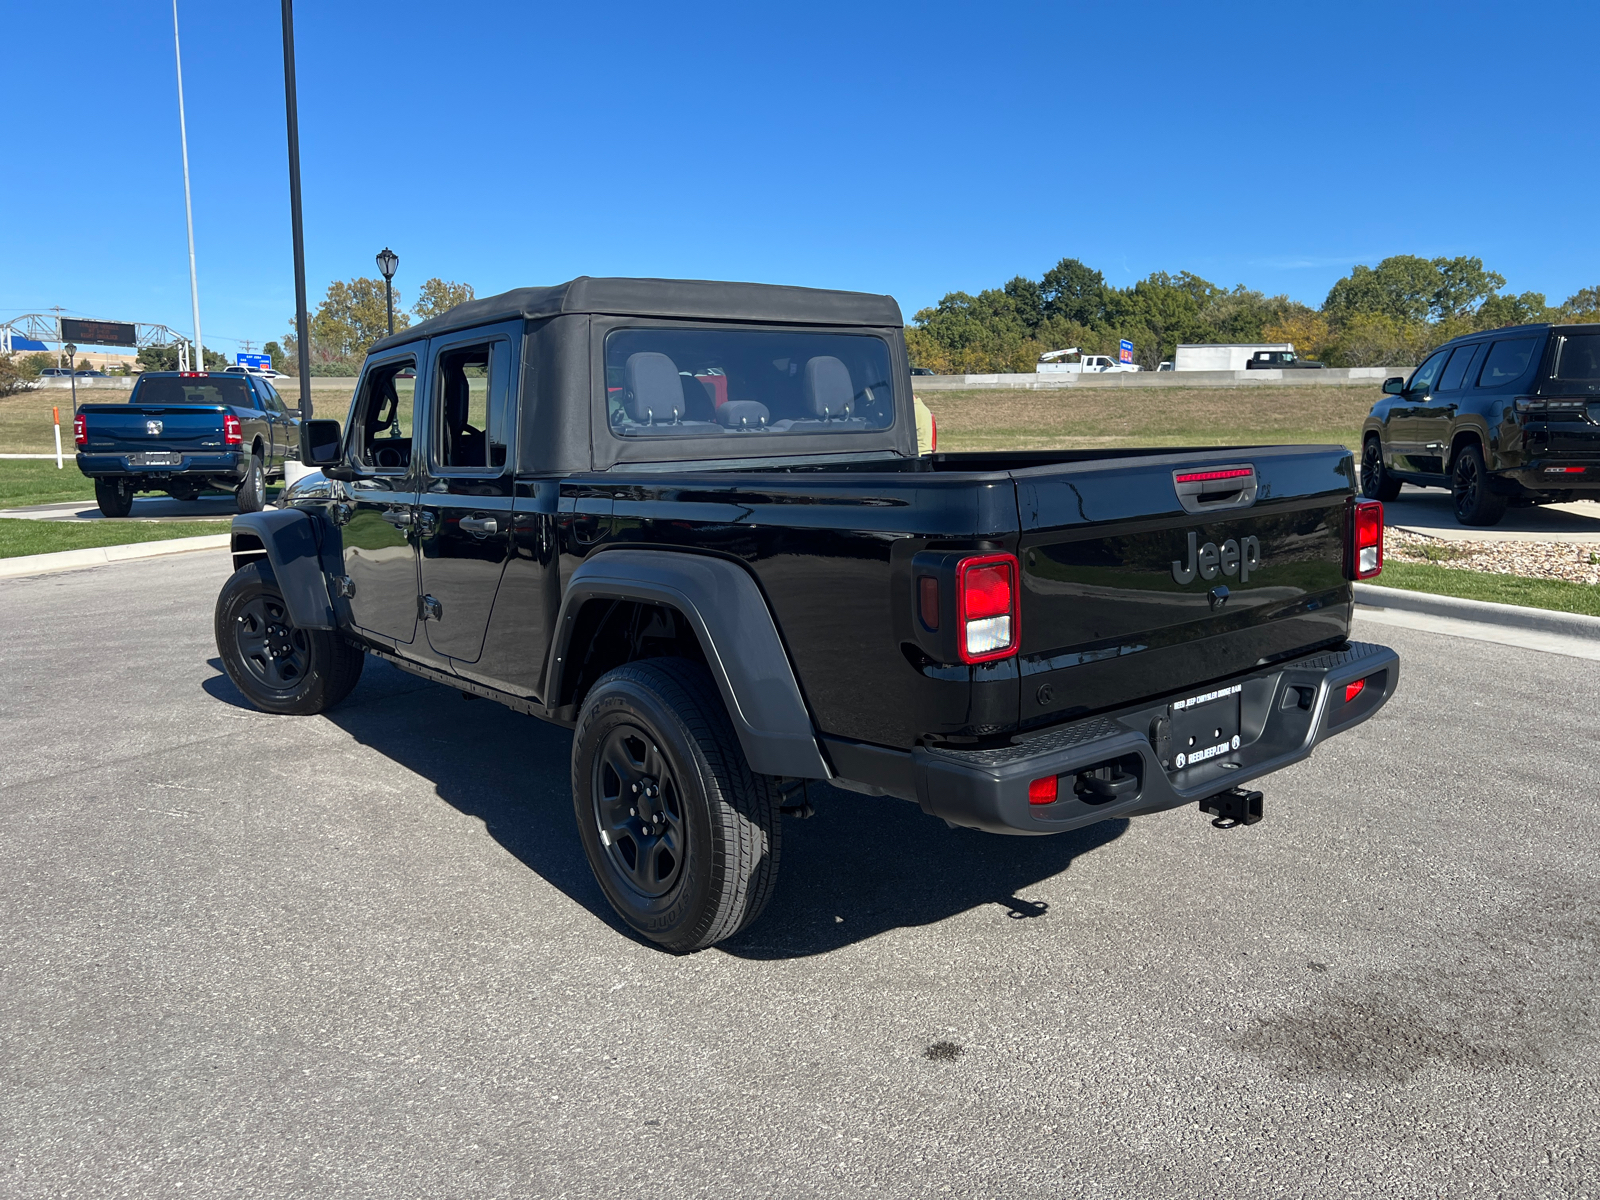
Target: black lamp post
column 72, row 370
column 388, row 260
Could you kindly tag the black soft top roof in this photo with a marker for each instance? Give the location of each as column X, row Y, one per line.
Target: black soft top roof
column 701, row 299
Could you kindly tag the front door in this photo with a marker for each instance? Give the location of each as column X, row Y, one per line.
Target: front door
column 1407, row 422
column 465, row 497
column 1432, row 422
column 378, row 516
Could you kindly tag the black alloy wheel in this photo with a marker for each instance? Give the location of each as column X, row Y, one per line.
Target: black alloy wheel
column 638, row 811
column 280, row 667
column 1376, row 482
column 682, row 836
column 276, row 654
column 1475, row 503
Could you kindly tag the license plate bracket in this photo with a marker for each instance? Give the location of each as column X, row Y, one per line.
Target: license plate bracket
column 1205, row 727
column 159, row 458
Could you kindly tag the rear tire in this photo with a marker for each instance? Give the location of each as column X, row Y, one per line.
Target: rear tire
column 1376, row 482
column 1469, row 487
column 114, row 496
column 690, row 849
column 279, row 667
column 252, row 493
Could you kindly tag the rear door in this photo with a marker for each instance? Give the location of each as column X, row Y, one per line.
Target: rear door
column 378, row 515
column 465, row 496
column 1146, row 574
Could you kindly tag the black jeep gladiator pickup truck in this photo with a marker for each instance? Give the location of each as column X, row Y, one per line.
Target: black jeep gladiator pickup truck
column 690, row 520
column 1281, row 360
column 1509, row 416
column 184, row 432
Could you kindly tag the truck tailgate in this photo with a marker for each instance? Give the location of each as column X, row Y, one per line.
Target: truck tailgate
column 133, row 427
column 1131, row 590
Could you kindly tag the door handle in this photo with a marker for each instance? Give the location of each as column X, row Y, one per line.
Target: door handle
column 479, row 524
column 400, row 518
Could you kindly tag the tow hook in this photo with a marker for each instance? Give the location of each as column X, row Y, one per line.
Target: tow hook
column 1236, row 806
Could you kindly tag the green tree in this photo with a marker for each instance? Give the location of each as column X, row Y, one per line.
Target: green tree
column 1582, row 305
column 1408, row 288
column 273, row 351
column 351, row 317
column 440, row 296
column 1499, row 311
column 1074, row 293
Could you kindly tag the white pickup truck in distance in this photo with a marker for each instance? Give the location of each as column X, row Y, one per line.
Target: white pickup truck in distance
column 1054, row 362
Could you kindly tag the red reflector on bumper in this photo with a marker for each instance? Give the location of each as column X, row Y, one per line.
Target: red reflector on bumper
column 1042, row 791
column 1352, row 690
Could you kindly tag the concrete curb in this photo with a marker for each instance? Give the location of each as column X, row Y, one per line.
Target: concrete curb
column 1541, row 619
column 96, row 556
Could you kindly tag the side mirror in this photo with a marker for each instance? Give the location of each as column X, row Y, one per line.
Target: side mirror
column 1394, row 385
column 323, row 442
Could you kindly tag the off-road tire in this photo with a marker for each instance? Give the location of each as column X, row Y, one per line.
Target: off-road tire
column 280, row 668
column 1376, row 482
column 114, row 496
column 1469, row 488
column 252, row 493
column 728, row 821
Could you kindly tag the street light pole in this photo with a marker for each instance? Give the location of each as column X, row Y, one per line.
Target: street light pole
column 72, row 369
column 302, row 324
column 388, row 262
column 188, row 208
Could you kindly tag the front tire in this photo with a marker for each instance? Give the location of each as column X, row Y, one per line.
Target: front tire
column 280, row 668
column 1376, row 482
column 114, row 496
column 252, row 493
column 682, row 836
column 1469, row 487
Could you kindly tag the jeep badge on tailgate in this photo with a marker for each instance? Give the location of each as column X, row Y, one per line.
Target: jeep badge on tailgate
column 1232, row 558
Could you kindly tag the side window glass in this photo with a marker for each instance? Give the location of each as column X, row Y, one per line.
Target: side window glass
column 1507, row 361
column 1427, row 374
column 467, row 428
column 380, row 422
column 1457, row 370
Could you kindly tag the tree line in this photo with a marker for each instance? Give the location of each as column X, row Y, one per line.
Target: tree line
column 352, row 317
column 1388, row 315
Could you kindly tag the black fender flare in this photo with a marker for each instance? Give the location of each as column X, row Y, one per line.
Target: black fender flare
column 723, row 603
column 290, row 539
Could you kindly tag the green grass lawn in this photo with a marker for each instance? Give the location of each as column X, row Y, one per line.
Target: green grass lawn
column 26, row 481
column 46, row 537
column 1085, row 418
column 1556, row 594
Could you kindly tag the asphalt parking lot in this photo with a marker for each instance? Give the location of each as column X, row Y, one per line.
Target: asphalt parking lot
column 362, row 955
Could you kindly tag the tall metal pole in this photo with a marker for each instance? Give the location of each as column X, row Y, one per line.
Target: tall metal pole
column 188, row 208
column 302, row 324
column 388, row 304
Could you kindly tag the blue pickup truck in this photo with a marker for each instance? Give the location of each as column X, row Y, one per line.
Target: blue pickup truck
column 182, row 432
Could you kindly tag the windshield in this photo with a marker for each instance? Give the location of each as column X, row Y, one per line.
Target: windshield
column 207, row 389
column 745, row 383
column 1576, row 367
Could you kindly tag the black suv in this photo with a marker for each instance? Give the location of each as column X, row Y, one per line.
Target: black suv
column 1510, row 416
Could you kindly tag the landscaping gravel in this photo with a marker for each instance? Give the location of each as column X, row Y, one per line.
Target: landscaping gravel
column 1571, row 561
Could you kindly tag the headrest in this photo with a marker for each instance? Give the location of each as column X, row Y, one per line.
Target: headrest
column 743, row 414
column 829, row 392
column 653, row 389
column 457, row 397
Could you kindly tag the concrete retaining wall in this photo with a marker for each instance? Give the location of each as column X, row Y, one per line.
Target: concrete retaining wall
column 1368, row 377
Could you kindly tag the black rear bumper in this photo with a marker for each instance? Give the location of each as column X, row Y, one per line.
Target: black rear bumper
column 231, row 465
column 1285, row 710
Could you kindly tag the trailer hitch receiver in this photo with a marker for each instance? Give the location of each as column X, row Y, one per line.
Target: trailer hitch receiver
column 1236, row 806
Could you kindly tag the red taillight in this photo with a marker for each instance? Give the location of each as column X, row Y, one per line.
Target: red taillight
column 933, row 424
column 1366, row 540
column 1352, row 690
column 80, row 429
column 988, row 616
column 231, row 432
column 1042, row 791
column 1209, row 476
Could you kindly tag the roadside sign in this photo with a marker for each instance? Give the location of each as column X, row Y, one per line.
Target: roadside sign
column 261, row 362
column 1125, row 354
column 98, row 333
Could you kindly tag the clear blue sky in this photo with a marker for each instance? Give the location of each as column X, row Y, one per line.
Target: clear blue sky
column 912, row 149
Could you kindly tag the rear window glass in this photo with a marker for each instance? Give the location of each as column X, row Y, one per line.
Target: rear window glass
column 1507, row 361
column 747, row 383
column 213, row 389
column 1456, row 371
column 1577, row 362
